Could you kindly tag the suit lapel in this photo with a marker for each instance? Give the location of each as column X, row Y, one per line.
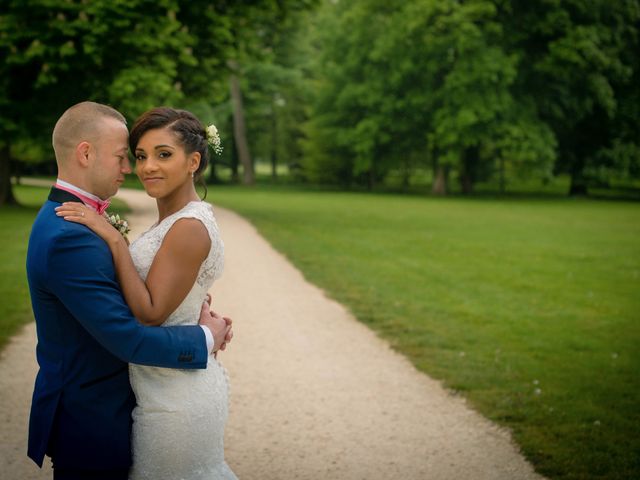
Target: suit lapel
column 61, row 196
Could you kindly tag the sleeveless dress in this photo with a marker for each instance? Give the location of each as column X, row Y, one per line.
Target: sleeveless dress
column 179, row 419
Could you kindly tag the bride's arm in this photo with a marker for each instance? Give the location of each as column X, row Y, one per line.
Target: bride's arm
column 172, row 273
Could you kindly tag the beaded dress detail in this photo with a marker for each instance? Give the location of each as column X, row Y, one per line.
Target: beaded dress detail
column 179, row 419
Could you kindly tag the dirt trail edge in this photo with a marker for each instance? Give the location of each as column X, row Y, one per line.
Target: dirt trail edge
column 314, row 393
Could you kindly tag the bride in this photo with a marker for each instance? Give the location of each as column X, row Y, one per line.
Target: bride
column 179, row 418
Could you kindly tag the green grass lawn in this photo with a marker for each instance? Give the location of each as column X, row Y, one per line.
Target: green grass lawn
column 529, row 307
column 15, row 306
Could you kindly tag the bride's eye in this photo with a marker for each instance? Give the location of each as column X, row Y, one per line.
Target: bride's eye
column 140, row 157
column 164, row 154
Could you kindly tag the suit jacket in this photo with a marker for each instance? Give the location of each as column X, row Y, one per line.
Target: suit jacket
column 82, row 400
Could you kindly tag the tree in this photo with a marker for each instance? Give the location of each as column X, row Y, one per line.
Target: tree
column 477, row 119
column 247, row 34
column 578, row 61
column 278, row 94
column 399, row 86
column 58, row 53
column 351, row 128
column 133, row 55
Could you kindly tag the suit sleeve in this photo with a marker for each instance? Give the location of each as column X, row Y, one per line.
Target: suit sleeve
column 83, row 277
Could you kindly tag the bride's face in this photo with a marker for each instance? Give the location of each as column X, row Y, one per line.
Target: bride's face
column 162, row 164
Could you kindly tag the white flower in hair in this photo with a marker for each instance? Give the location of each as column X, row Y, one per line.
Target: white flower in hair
column 213, row 138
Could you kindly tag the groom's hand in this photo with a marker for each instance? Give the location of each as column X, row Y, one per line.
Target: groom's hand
column 229, row 334
column 219, row 327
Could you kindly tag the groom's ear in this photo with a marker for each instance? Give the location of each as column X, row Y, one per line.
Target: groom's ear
column 82, row 153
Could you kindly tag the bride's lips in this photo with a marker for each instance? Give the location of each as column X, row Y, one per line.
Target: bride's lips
column 151, row 180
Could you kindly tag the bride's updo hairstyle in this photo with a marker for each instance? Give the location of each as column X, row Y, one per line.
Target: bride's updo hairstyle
column 188, row 129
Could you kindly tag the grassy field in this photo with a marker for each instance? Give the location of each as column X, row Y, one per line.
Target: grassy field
column 15, row 309
column 15, row 306
column 528, row 307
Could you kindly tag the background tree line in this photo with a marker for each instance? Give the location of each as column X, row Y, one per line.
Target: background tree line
column 350, row 93
column 477, row 89
column 132, row 54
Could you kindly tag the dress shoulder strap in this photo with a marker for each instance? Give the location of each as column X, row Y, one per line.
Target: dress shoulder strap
column 200, row 210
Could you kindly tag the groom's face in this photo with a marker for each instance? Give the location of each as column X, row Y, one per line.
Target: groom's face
column 110, row 162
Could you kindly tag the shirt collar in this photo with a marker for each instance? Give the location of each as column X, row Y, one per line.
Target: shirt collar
column 73, row 188
column 89, row 199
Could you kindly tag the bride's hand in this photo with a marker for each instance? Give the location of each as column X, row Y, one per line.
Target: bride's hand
column 80, row 213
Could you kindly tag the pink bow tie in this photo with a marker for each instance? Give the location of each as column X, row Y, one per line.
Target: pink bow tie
column 103, row 206
column 98, row 205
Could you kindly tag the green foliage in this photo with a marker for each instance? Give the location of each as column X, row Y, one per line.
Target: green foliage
column 477, row 88
column 276, row 97
column 58, row 53
column 348, row 129
column 352, row 92
column 131, row 54
column 268, row 67
column 526, row 307
column 423, row 82
column 579, row 62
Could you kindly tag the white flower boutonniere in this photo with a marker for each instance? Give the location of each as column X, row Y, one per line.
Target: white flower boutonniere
column 213, row 138
column 119, row 224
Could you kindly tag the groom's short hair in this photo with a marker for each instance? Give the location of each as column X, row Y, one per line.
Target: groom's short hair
column 81, row 123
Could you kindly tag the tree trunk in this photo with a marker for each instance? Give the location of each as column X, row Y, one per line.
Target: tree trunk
column 234, row 158
column 274, row 165
column 406, row 175
column 274, row 145
column 578, row 182
column 213, row 173
column 439, row 186
column 503, row 183
column 6, row 192
column 17, row 173
column 466, row 183
column 578, row 187
column 239, row 129
column 467, row 173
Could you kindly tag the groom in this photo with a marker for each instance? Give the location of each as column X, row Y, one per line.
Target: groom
column 82, row 400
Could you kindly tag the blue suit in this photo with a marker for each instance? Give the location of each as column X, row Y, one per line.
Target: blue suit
column 82, row 400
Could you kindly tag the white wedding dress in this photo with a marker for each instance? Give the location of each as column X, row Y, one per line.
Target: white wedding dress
column 178, row 423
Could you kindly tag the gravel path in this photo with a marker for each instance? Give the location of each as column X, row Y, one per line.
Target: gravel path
column 315, row 394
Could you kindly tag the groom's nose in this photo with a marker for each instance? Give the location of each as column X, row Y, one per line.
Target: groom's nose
column 125, row 167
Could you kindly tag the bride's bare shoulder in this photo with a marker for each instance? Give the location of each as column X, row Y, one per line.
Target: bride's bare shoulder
column 188, row 236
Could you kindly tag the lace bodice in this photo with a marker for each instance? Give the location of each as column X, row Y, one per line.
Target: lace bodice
column 144, row 248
